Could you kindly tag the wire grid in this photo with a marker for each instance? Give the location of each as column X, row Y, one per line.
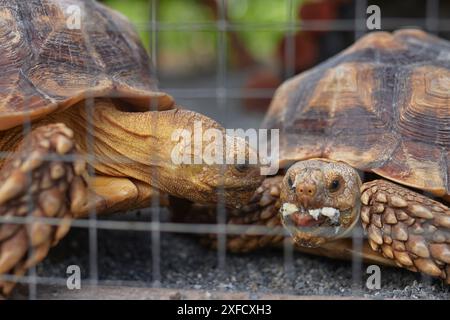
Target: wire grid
column 221, row 92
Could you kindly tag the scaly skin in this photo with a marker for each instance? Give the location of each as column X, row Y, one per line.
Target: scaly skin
column 34, row 186
column 131, row 156
column 403, row 226
column 261, row 211
column 407, row 227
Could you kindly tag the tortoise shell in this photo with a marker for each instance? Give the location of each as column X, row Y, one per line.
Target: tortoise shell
column 48, row 64
column 382, row 105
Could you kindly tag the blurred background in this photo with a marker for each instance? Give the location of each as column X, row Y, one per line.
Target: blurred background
column 226, row 57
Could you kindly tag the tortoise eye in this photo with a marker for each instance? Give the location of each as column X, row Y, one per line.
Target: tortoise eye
column 290, row 182
column 335, row 185
column 242, row 167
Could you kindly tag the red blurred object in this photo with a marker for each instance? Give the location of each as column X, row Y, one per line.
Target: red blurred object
column 306, row 52
column 306, row 49
column 239, row 54
column 318, row 10
column 325, row 10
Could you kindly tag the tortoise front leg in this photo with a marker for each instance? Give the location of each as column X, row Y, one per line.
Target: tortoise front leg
column 261, row 211
column 116, row 194
column 46, row 178
column 39, row 180
column 407, row 227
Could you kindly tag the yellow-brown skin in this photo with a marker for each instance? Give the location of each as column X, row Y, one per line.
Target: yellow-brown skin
column 130, row 153
column 56, row 77
column 138, row 145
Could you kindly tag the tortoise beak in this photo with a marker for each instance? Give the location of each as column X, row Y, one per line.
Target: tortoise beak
column 314, row 227
column 311, row 210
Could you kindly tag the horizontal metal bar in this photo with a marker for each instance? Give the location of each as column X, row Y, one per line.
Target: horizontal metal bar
column 309, row 25
column 231, row 93
column 170, row 227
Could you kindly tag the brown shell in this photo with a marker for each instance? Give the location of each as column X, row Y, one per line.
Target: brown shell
column 382, row 105
column 47, row 65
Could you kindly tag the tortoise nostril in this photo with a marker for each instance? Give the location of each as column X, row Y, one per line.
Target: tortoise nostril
column 306, row 189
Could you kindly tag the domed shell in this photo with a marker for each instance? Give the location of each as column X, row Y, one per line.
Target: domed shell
column 55, row 53
column 382, row 105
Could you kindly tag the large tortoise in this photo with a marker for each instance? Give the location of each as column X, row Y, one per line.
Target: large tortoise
column 381, row 107
column 70, row 95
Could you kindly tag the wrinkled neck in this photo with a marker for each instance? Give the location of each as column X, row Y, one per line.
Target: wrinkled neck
column 123, row 144
column 10, row 140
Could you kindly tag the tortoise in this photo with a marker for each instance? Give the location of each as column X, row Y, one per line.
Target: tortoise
column 364, row 141
column 70, row 96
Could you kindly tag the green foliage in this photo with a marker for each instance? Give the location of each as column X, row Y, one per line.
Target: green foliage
column 266, row 15
column 184, row 12
column 262, row 42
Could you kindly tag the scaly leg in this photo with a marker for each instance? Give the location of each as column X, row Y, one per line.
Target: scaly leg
column 38, row 181
column 44, row 178
column 115, row 194
column 261, row 211
column 407, row 227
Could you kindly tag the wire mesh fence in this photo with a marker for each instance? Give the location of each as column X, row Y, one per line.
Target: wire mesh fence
column 214, row 99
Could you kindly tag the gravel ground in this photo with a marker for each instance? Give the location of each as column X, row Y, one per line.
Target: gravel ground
column 185, row 264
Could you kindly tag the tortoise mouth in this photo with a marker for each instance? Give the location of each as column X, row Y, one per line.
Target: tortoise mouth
column 311, row 227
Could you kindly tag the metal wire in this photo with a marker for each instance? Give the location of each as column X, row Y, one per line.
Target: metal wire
column 222, row 92
column 357, row 242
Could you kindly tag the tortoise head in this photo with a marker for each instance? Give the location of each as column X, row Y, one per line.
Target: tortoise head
column 320, row 201
column 180, row 152
column 208, row 179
